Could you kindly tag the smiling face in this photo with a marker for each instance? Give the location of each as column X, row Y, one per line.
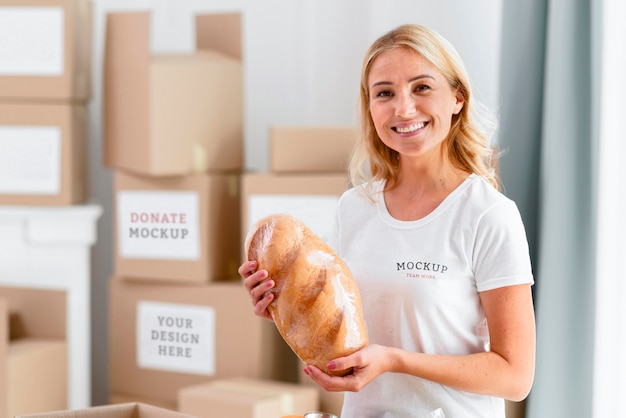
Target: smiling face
column 410, row 102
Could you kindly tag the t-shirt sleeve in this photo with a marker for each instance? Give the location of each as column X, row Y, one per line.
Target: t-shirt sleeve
column 332, row 236
column 501, row 257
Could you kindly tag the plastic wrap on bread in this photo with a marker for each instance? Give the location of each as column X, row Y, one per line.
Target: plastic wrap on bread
column 317, row 305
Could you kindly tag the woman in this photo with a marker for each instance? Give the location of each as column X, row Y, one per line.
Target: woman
column 439, row 254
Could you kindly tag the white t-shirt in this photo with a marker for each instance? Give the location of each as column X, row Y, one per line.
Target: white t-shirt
column 419, row 283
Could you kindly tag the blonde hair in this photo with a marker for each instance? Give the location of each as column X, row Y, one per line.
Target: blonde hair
column 468, row 142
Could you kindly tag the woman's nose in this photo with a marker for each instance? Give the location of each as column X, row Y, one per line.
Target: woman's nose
column 405, row 105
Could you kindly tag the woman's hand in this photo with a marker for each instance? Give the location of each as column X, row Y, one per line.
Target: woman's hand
column 366, row 364
column 259, row 287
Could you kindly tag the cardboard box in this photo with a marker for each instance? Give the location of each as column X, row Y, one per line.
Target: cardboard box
column 224, row 403
column 127, row 410
column 165, row 337
column 42, row 154
column 247, row 398
column 33, row 351
column 116, row 398
column 177, row 229
column 37, row 375
column 173, row 114
column 314, row 149
column 45, row 53
column 312, row 198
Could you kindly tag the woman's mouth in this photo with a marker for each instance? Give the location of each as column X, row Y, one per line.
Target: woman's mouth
column 407, row 129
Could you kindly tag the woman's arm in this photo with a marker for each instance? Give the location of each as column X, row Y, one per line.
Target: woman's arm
column 506, row 371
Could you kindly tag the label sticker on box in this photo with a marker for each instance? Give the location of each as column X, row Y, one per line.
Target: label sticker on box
column 176, row 337
column 30, row 160
column 31, row 41
column 315, row 211
column 158, row 224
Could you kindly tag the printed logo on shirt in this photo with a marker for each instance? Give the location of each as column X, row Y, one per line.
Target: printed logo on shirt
column 421, row 269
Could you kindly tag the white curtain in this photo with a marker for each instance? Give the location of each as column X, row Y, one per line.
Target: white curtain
column 609, row 378
column 581, row 256
column 566, row 257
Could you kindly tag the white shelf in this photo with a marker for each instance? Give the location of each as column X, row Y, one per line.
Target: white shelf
column 49, row 248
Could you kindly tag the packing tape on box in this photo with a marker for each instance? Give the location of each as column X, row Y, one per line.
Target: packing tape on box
column 199, row 160
column 233, row 186
column 286, row 401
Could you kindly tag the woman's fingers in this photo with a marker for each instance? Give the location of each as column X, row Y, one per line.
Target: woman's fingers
column 258, row 286
column 247, row 268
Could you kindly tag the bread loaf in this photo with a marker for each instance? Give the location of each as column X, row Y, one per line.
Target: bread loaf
column 317, row 305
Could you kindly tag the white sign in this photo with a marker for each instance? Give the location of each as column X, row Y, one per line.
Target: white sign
column 31, row 41
column 176, row 337
column 316, row 211
column 158, row 225
column 30, row 160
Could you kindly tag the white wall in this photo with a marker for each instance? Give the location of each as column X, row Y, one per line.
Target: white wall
column 302, row 64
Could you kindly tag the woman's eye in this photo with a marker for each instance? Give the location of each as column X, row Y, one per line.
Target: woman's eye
column 383, row 93
column 420, row 88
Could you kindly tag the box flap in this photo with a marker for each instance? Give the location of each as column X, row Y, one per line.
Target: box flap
column 109, row 411
column 220, row 32
column 35, row 312
column 126, row 81
column 119, row 397
column 128, row 42
column 150, row 411
column 125, row 410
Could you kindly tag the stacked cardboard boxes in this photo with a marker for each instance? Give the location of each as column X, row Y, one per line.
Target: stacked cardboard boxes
column 173, row 114
column 166, row 337
column 45, row 84
column 308, row 174
column 179, row 314
column 173, row 135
